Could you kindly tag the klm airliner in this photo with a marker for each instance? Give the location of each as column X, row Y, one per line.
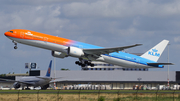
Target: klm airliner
column 86, row 53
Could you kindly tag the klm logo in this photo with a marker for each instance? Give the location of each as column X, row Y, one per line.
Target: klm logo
column 154, row 52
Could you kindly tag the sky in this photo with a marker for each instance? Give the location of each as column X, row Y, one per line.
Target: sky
column 106, row 23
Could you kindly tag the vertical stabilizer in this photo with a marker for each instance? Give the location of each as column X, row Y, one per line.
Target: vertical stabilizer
column 49, row 69
column 155, row 52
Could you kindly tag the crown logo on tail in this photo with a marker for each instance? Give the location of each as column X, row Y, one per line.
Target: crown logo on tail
column 154, row 53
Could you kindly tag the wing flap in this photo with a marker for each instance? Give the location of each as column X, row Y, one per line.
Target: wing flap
column 28, row 83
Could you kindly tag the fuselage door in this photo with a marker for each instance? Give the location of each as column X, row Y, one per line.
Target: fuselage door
column 45, row 39
column 80, row 46
column 138, row 60
column 22, row 34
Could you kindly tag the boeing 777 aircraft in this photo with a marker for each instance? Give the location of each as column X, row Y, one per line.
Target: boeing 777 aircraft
column 35, row 81
column 86, row 53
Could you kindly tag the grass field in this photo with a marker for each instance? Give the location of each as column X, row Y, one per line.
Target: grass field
column 89, row 95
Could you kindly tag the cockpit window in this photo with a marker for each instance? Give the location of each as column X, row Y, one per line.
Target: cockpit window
column 11, row 31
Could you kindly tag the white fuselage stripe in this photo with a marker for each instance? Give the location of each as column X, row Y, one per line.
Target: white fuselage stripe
column 124, row 63
column 42, row 44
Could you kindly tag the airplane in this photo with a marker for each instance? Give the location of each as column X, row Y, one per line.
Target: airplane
column 35, row 81
column 62, row 47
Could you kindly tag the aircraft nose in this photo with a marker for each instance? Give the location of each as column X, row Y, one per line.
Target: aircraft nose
column 6, row 33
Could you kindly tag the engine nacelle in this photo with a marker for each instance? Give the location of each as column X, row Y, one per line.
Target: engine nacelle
column 75, row 52
column 16, row 85
column 58, row 54
column 45, row 87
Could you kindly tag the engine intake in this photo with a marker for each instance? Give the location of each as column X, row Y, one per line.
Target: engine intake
column 75, row 52
column 16, row 85
column 58, row 54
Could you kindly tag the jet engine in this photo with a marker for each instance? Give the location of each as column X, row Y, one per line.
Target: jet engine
column 45, row 87
column 75, row 52
column 58, row 54
column 16, row 85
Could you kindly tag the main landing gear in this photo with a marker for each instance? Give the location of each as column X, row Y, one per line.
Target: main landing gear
column 15, row 47
column 84, row 63
column 27, row 88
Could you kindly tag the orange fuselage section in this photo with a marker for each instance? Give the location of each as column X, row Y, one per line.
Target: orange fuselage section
column 32, row 35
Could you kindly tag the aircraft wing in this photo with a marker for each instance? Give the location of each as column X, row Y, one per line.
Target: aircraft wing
column 7, row 80
column 160, row 63
column 138, row 54
column 28, row 83
column 58, row 78
column 47, row 78
column 100, row 51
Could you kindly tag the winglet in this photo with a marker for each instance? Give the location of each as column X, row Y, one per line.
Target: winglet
column 49, row 69
column 155, row 52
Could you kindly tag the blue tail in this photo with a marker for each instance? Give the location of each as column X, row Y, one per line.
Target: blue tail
column 49, row 69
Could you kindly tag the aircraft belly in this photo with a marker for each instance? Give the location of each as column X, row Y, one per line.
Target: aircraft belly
column 123, row 63
column 40, row 83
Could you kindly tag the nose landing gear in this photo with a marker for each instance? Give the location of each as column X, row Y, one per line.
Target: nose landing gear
column 15, row 47
column 15, row 43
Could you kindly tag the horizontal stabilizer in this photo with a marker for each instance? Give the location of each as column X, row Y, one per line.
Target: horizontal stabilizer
column 160, row 63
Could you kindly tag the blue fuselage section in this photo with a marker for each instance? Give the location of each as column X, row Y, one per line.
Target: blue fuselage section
column 120, row 55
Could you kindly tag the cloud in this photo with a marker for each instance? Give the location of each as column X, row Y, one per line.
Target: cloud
column 177, row 39
column 24, row 53
column 107, row 23
column 38, row 17
column 121, row 8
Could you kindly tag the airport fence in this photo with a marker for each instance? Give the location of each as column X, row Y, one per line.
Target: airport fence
column 89, row 95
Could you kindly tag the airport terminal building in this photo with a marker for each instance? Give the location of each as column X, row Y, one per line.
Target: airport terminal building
column 111, row 79
column 115, row 79
column 102, row 77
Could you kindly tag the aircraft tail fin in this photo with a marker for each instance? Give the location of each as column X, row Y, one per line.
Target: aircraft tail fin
column 155, row 52
column 49, row 69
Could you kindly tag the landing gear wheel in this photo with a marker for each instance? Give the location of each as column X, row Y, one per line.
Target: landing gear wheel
column 83, row 65
column 15, row 47
column 77, row 62
column 92, row 65
column 27, row 88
